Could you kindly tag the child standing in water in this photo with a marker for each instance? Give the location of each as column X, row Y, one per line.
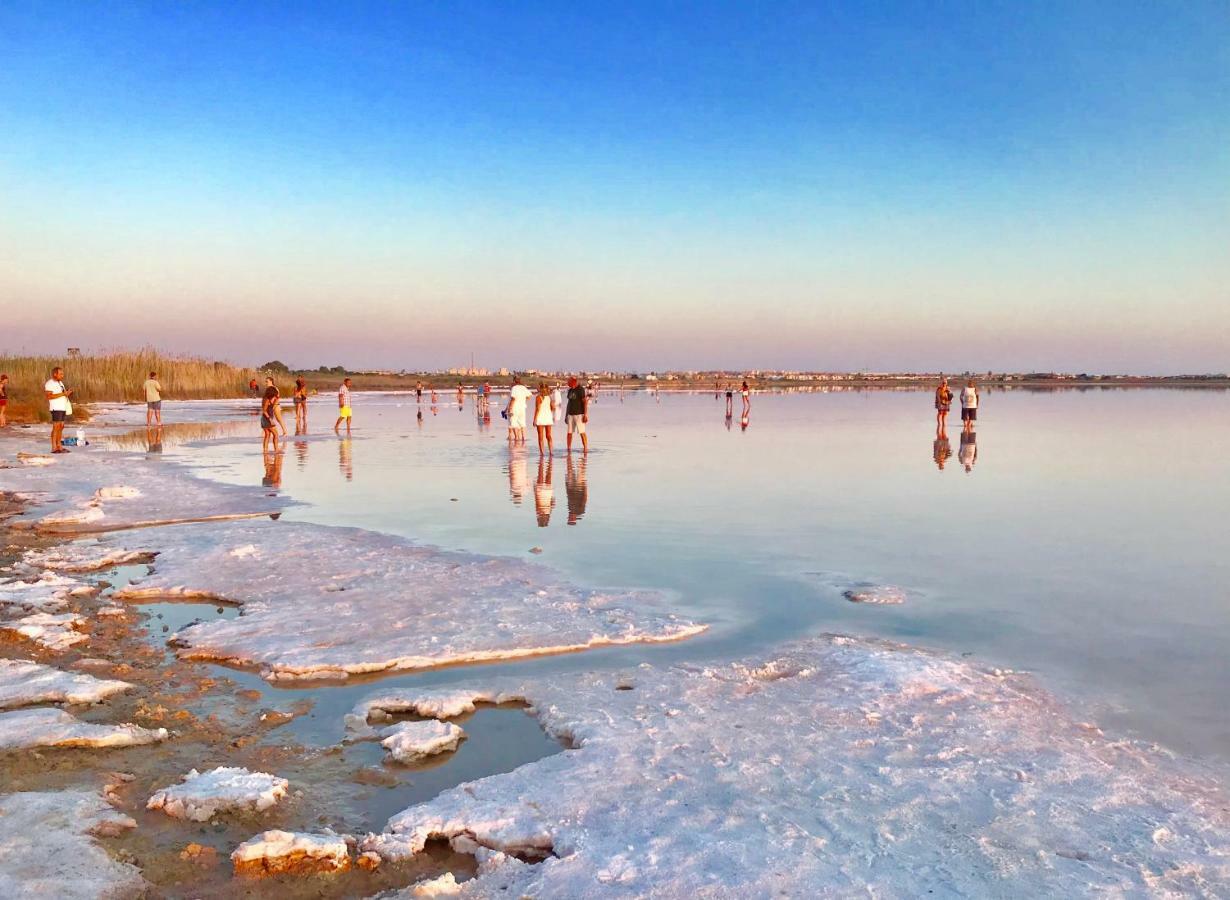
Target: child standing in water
column 544, row 417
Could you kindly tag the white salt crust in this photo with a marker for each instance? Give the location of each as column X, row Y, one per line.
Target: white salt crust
column 26, row 683
column 411, row 742
column 48, row 848
column 329, row 849
column 836, row 766
column 203, row 795
column 26, row 729
column 56, row 632
column 83, row 556
column 321, row 602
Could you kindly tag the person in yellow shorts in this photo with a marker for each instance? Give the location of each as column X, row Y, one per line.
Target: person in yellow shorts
column 343, row 407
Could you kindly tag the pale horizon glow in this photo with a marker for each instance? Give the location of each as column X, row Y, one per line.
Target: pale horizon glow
column 578, row 186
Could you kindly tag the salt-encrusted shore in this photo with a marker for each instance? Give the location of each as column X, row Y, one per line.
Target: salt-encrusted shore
column 322, row 602
column 24, row 683
column 25, row 729
column 203, row 795
column 835, row 766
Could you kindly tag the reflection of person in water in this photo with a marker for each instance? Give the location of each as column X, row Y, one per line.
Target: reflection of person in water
column 273, row 468
column 518, row 473
column 544, row 492
column 301, row 448
column 153, row 439
column 968, row 454
column 576, row 485
column 746, row 420
column 941, row 450
column 344, row 460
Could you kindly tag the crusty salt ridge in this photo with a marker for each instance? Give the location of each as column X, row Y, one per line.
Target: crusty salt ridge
column 26, row 683
column 56, row 632
column 274, row 852
column 81, row 495
column 836, row 764
column 202, row 795
column 25, row 729
column 48, row 847
column 410, row 742
column 343, row 601
column 46, row 594
column 83, row 556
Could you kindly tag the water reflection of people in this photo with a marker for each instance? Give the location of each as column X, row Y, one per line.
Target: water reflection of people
column 746, row 420
column 576, row 486
column 544, row 492
column 345, row 462
column 968, row 453
column 301, row 449
column 273, row 468
column 518, row 473
column 153, row 439
column 941, row 450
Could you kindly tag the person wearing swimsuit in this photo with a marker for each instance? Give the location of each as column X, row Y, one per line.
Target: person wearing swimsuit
column 943, row 403
column 746, row 392
column 299, row 398
column 730, row 400
column 269, row 416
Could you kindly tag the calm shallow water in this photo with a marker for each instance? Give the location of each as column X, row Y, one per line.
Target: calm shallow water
column 1086, row 543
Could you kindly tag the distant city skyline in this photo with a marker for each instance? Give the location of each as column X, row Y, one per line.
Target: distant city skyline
column 906, row 187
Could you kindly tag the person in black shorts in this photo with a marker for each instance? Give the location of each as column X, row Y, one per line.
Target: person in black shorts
column 60, row 406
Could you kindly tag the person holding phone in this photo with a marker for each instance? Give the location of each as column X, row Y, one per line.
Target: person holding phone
column 60, row 405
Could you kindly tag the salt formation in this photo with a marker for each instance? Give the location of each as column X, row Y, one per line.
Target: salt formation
column 46, row 594
column 411, row 742
column 875, row 594
column 26, row 683
column 83, row 556
column 861, row 766
column 202, row 795
column 47, row 847
column 344, row 601
column 278, row 852
column 56, row 632
column 26, row 729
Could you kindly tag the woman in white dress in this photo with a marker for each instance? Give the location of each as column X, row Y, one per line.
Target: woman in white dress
column 544, row 417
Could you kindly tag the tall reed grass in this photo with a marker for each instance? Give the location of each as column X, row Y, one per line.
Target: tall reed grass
column 118, row 376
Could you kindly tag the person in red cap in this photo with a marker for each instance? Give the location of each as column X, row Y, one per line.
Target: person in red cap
column 578, row 413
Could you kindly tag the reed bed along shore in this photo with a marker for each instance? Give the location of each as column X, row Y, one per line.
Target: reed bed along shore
column 118, row 377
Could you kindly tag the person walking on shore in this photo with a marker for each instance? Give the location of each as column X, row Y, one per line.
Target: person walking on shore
column 299, row 398
column 269, row 416
column 60, row 405
column 4, row 400
column 544, row 417
column 943, row 403
column 153, row 401
column 518, row 397
column 343, row 407
column 577, row 414
column 969, row 406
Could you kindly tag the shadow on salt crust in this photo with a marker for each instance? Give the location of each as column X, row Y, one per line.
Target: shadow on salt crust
column 859, row 766
column 321, row 602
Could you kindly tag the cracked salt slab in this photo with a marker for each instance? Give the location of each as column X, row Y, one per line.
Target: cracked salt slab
column 47, row 594
column 81, row 495
column 321, row 602
column 47, row 847
column 860, row 766
column 55, row 632
column 274, row 852
column 27, row 683
column 203, row 795
column 26, row 729
column 411, row 742
column 83, row 556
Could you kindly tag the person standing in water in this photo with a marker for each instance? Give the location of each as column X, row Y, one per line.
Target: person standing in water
column 518, row 397
column 577, row 414
column 299, row 398
column 943, row 403
column 544, row 417
column 461, row 395
column 969, row 406
column 557, row 402
column 4, row 400
column 730, row 400
column 269, row 416
column 153, row 400
column 418, row 392
column 746, row 393
column 60, row 405
column 344, row 412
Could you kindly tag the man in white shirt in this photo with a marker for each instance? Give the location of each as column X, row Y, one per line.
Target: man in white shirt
column 343, row 407
column 969, row 406
column 153, row 400
column 60, row 406
column 518, row 397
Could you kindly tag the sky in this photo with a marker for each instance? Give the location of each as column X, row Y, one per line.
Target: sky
column 832, row 186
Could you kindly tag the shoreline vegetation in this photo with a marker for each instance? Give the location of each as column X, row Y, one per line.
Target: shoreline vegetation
column 117, row 377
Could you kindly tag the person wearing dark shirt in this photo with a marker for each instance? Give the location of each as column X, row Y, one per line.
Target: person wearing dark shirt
column 577, row 414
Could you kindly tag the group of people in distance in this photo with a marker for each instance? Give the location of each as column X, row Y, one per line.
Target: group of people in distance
column 941, row 449
column 546, row 407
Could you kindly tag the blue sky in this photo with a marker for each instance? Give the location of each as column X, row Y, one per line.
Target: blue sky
column 883, row 186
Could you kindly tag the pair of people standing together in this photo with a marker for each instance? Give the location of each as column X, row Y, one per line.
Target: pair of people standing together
column 969, row 405
column 545, row 405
